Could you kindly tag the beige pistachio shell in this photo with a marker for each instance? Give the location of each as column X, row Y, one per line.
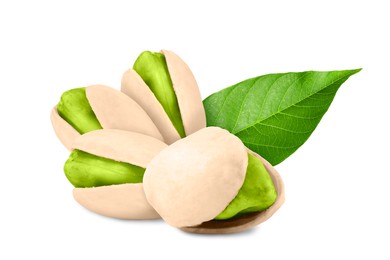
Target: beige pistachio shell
column 125, row 201
column 187, row 93
column 133, row 86
column 248, row 220
column 194, row 179
column 120, row 145
column 115, row 110
column 64, row 131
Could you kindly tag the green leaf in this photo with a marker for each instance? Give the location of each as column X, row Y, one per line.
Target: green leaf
column 275, row 114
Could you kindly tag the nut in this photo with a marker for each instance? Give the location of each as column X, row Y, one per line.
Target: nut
column 127, row 200
column 180, row 85
column 98, row 107
column 195, row 179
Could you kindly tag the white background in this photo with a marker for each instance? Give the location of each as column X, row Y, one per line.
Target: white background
column 337, row 184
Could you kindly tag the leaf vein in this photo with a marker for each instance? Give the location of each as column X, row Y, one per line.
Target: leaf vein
column 300, row 106
column 223, row 104
column 242, row 104
column 266, row 95
column 301, row 117
column 292, row 84
column 273, row 146
column 285, row 129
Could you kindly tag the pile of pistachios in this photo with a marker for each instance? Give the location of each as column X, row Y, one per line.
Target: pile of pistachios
column 144, row 152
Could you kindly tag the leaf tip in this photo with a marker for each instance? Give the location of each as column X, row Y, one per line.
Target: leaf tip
column 356, row 71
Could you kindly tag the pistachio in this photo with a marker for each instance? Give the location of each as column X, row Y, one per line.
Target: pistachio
column 152, row 68
column 164, row 86
column 209, row 182
column 107, row 166
column 76, row 110
column 82, row 110
column 257, row 193
column 86, row 170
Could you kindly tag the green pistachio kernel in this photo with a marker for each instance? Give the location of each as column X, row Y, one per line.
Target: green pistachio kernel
column 256, row 194
column 152, row 68
column 85, row 170
column 75, row 109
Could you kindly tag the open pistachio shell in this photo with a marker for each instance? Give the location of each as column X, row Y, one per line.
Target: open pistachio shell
column 64, row 131
column 193, row 180
column 135, row 87
column 113, row 109
column 125, row 201
column 187, row 94
column 248, row 220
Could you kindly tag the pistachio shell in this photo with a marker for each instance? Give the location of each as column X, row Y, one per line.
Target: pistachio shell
column 133, row 86
column 115, row 110
column 194, row 179
column 187, row 93
column 248, row 220
column 120, row 145
column 64, row 131
column 125, row 201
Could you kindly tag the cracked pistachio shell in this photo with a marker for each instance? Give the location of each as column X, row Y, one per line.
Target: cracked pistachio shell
column 187, row 94
column 249, row 220
column 124, row 201
column 193, row 180
column 114, row 110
